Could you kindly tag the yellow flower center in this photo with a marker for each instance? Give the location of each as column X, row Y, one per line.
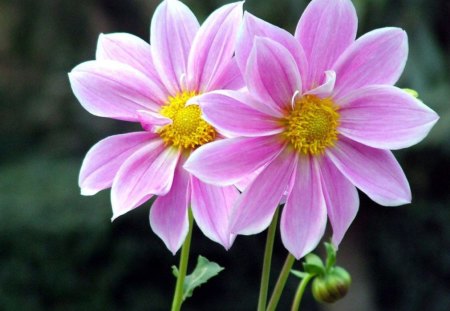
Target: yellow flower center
column 188, row 130
column 311, row 125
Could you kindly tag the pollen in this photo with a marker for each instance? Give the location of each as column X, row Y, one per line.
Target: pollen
column 188, row 130
column 311, row 125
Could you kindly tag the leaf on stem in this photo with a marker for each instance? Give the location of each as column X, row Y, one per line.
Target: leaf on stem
column 313, row 264
column 204, row 270
column 299, row 274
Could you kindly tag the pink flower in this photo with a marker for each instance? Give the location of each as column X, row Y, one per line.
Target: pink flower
column 319, row 118
column 133, row 81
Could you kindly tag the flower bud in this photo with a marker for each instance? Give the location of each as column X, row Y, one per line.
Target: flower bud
column 332, row 286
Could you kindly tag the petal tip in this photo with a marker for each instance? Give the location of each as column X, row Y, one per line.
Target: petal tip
column 226, row 245
column 297, row 255
column 70, row 74
column 336, row 240
column 101, row 37
column 171, row 247
column 407, row 199
column 87, row 191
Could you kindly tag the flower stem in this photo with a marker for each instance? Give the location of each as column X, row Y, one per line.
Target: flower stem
column 262, row 301
column 300, row 291
column 184, row 258
column 281, row 282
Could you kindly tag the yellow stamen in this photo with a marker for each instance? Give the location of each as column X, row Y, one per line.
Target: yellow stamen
column 311, row 125
column 188, row 130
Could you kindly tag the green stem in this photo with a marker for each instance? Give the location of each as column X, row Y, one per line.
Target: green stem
column 184, row 258
column 300, row 291
column 281, row 282
column 262, row 301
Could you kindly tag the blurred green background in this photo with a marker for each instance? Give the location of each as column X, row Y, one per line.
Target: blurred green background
column 59, row 250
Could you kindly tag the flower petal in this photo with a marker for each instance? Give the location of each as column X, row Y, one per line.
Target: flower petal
column 227, row 161
column 325, row 30
column 229, row 78
column 211, row 206
column 304, row 216
column 114, row 90
column 229, row 112
column 385, row 117
column 152, row 121
column 147, row 172
column 246, row 181
column 172, row 31
column 341, row 199
column 325, row 89
column 169, row 213
column 257, row 204
column 378, row 57
column 104, row 159
column 272, row 75
column 254, row 26
column 130, row 50
column 376, row 172
column 213, row 46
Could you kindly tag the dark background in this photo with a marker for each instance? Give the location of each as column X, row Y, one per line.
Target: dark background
column 59, row 251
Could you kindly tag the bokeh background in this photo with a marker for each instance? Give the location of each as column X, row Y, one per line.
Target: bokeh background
column 59, row 250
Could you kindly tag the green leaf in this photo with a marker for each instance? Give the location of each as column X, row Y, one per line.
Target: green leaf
column 175, row 271
column 331, row 255
column 299, row 274
column 313, row 264
column 204, row 270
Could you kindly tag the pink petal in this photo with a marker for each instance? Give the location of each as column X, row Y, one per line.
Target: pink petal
column 114, row 90
column 229, row 112
column 325, row 30
column 104, row 159
column 341, row 199
column 374, row 171
column 213, row 46
column 385, row 117
column 304, row 216
column 326, row 89
column 254, row 26
column 147, row 172
column 378, row 57
column 169, row 213
column 272, row 75
column 172, row 31
column 130, row 50
column 230, row 78
column 152, row 121
column 257, row 204
column 211, row 207
column 246, row 181
column 227, row 161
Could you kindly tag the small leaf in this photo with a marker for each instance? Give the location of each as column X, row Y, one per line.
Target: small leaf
column 175, row 271
column 299, row 274
column 204, row 270
column 313, row 264
column 313, row 259
column 331, row 255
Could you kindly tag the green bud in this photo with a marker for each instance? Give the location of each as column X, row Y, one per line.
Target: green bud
column 331, row 286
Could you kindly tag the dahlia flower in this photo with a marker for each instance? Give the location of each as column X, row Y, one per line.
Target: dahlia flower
column 133, row 81
column 319, row 119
